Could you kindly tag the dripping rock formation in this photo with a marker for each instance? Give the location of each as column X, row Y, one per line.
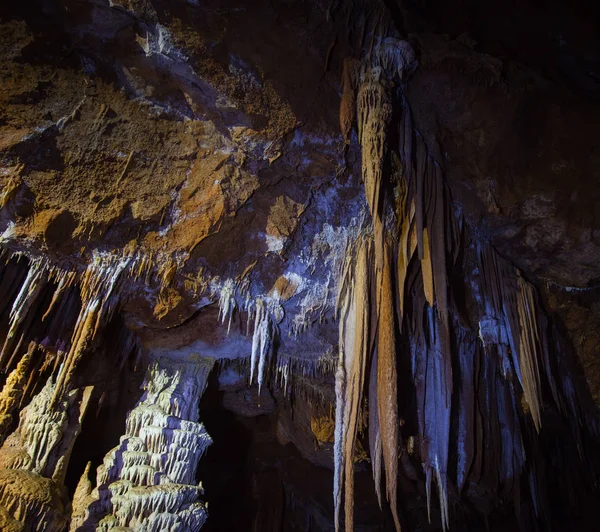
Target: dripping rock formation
column 299, row 265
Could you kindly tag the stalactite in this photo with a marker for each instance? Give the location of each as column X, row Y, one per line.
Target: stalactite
column 438, row 245
column 421, row 162
column 261, row 343
column 427, row 270
column 468, row 356
column 511, row 354
column 374, row 111
column 227, row 303
column 348, row 101
column 435, row 421
column 528, row 350
column 30, row 290
column 354, row 349
column 65, row 281
column 375, row 446
column 267, row 313
column 405, row 253
column 99, row 296
column 387, row 396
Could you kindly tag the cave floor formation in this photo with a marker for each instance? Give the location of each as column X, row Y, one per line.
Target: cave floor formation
column 299, row 265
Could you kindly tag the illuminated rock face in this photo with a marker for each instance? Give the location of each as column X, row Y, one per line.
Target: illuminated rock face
column 149, row 482
column 379, row 235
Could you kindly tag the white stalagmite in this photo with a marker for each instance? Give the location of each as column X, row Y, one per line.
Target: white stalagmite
column 148, row 481
column 34, row 459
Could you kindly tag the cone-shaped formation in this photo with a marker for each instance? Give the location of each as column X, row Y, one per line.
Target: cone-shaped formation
column 43, row 441
column 264, row 313
column 148, row 481
column 12, row 393
column 34, row 459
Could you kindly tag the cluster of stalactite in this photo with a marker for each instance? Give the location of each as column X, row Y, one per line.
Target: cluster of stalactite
column 148, row 481
column 263, row 314
column 479, row 375
column 55, row 316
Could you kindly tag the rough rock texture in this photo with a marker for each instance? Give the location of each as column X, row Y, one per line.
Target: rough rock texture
column 31, row 502
column 174, row 181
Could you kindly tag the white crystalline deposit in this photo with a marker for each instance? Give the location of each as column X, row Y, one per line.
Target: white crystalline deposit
column 147, row 483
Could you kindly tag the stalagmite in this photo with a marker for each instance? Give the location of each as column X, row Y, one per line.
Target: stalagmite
column 43, row 441
column 148, row 481
column 34, row 459
column 419, row 285
column 31, row 502
column 12, row 393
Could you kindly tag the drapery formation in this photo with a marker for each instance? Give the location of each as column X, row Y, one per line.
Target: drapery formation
column 482, row 373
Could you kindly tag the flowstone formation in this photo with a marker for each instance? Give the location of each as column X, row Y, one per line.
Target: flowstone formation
column 290, row 252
